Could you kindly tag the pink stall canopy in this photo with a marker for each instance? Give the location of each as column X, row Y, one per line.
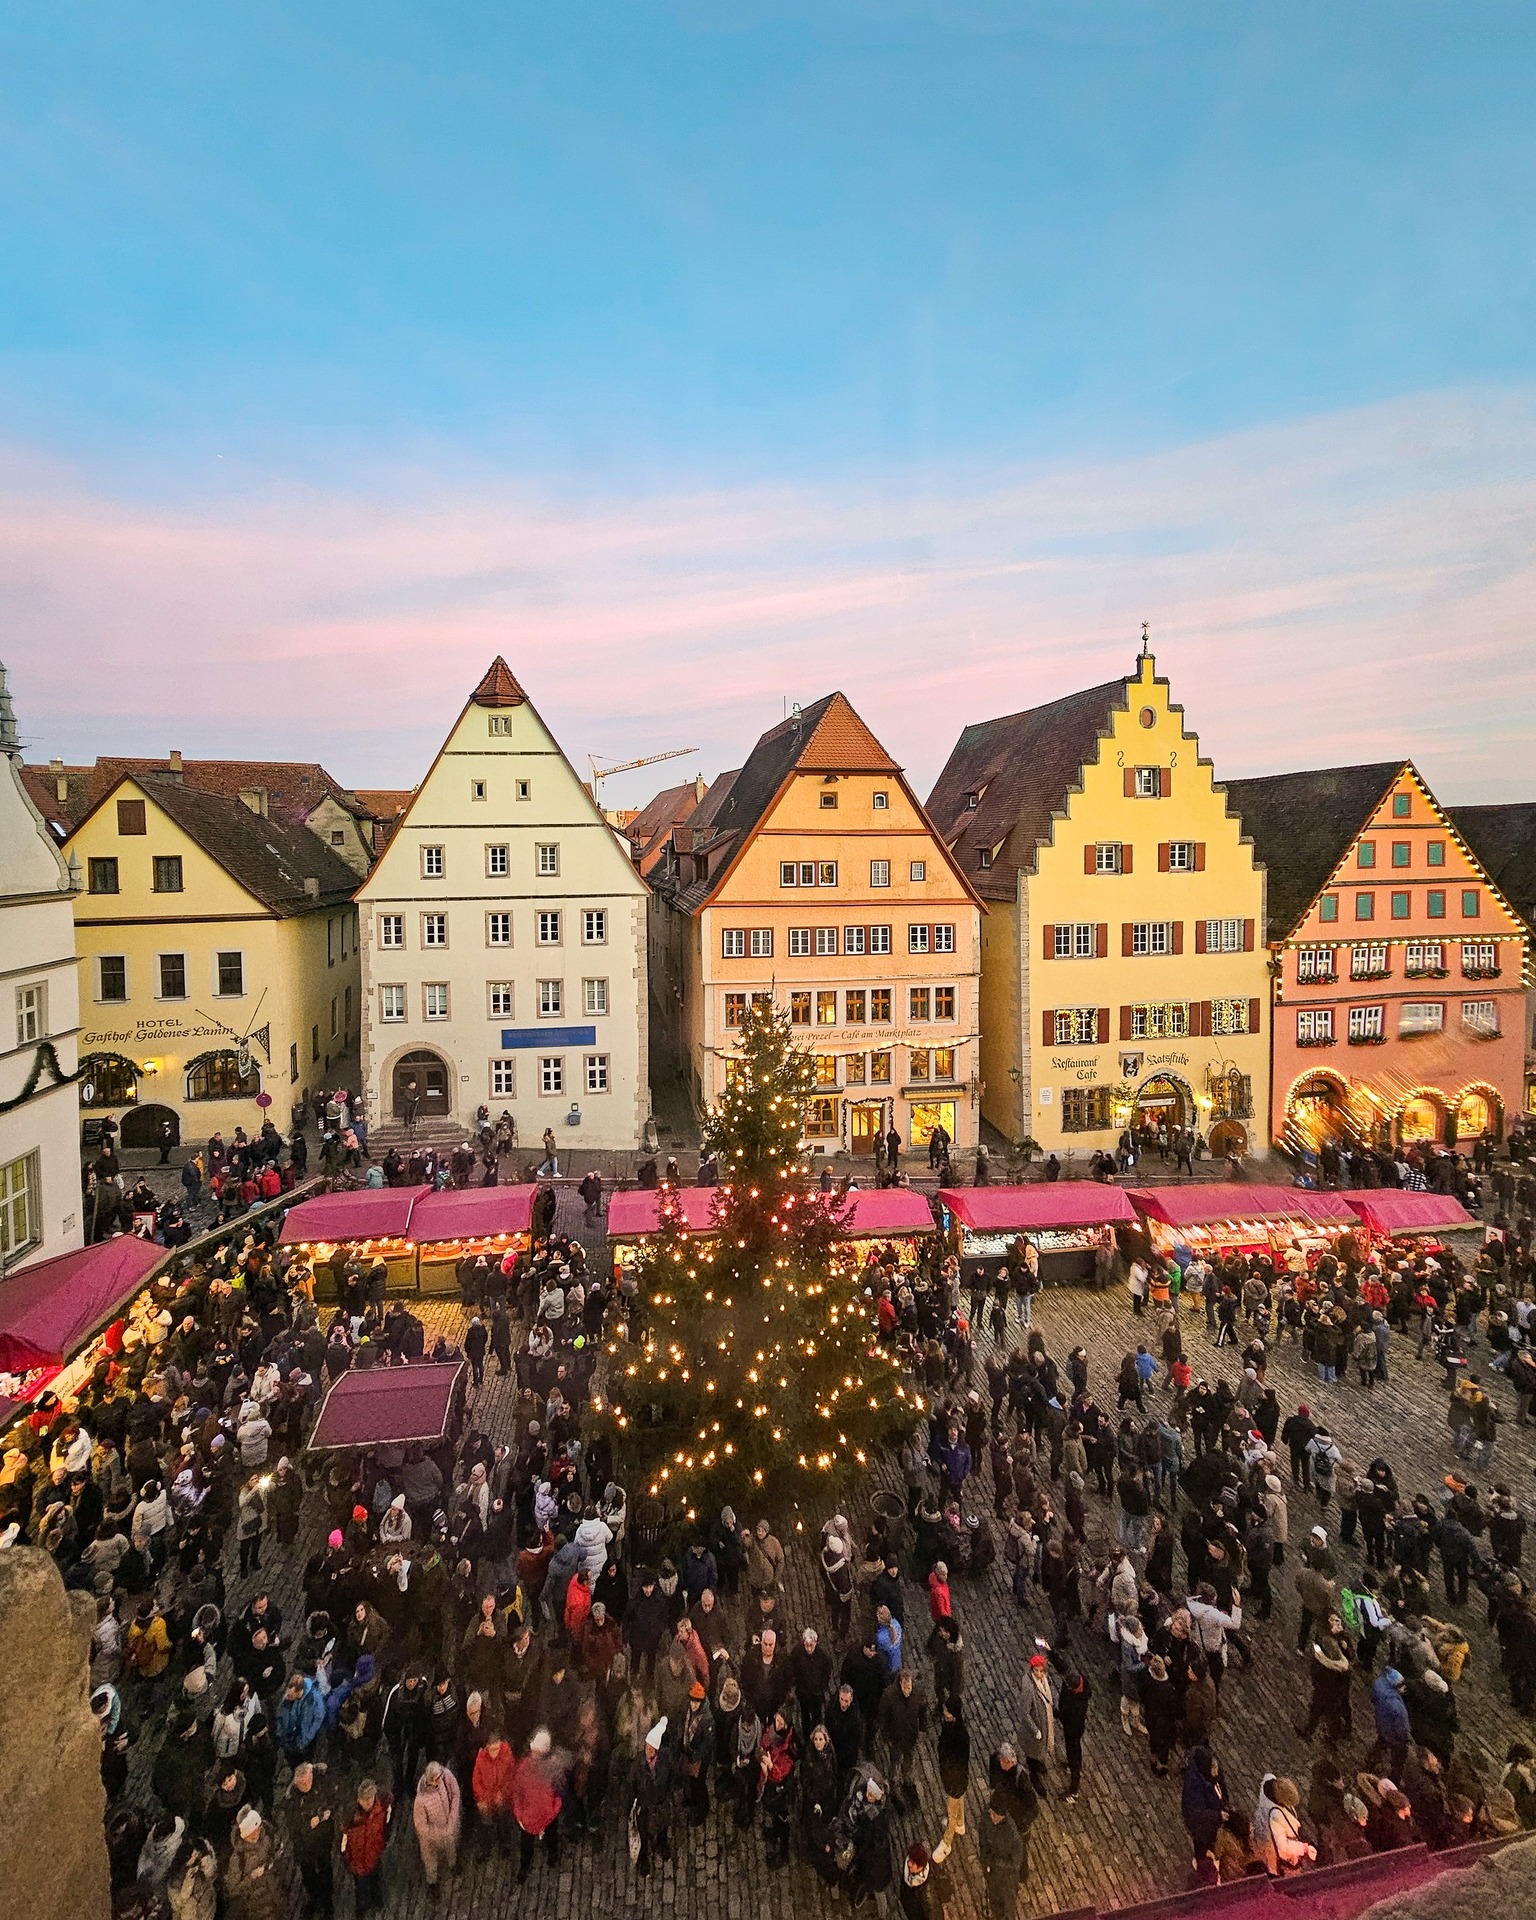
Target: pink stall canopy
column 366, row 1213
column 875, row 1212
column 388, row 1406
column 1202, row 1206
column 475, row 1213
column 49, row 1312
column 1391, row 1211
column 635, row 1214
column 1041, row 1205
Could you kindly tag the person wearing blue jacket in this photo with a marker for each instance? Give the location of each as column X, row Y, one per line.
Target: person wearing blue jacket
column 1393, row 1728
column 300, row 1717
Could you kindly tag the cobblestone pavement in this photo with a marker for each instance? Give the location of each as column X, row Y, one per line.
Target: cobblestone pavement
column 1123, row 1840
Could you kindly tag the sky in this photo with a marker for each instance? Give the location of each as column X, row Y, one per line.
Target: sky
column 701, row 359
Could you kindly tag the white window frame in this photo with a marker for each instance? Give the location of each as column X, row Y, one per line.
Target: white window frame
column 1230, row 1015
column 1312, row 963
column 799, row 943
column 760, row 943
column 594, row 998
column 944, row 937
column 391, row 932
column 551, row 1000
column 500, row 1000
column 595, row 1067
column 1181, row 856
column 392, row 1002
column 880, row 800
column 435, row 994
column 826, row 943
column 1149, row 783
column 594, row 926
column 1421, row 1016
column 498, row 928
column 1314, row 1024
column 1479, row 953
column 551, row 1076
column 879, row 873
column 1076, row 940
column 434, row 931
column 434, row 862
column 919, row 939
column 1152, row 937
column 1160, row 1020
column 1367, row 958
column 879, row 939
column 917, row 871
column 504, row 1077
column 855, row 940
column 1368, row 1023
column 31, row 1013
column 1109, row 856
column 498, row 860
column 1424, row 956
column 733, row 943
column 1077, row 1026
column 548, row 927
column 546, row 859
column 1481, row 1017
column 789, row 873
column 826, row 873
column 1224, row 936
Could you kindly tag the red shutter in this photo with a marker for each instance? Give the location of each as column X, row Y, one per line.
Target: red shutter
column 1204, row 1029
column 1125, row 1023
column 1130, row 783
column 1103, row 1025
column 1247, row 936
column 1048, row 1029
column 1090, row 859
column 1162, row 856
column 1125, row 937
column 1199, row 936
column 1253, row 1016
column 1101, row 941
column 1199, row 856
column 1165, row 781
column 1125, row 859
column 1178, row 936
column 1050, row 944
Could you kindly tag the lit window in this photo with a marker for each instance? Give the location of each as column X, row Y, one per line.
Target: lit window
column 826, row 873
column 880, row 1069
column 735, row 1009
column 1163, row 1021
column 434, row 1000
column 826, row 1008
column 800, row 1008
column 943, row 1063
column 826, row 1069
column 1077, row 1026
column 1230, row 1016
column 551, row 999
column 855, row 1069
column 821, row 1119
column 392, row 1003
column 917, row 1063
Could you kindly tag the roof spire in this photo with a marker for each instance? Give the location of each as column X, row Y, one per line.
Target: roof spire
column 10, row 739
column 498, row 688
column 1146, row 642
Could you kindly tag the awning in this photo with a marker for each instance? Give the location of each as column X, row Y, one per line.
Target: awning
column 878, row 1211
column 871, row 1214
column 388, row 1406
column 48, row 1312
column 1202, row 1205
column 1393, row 1211
column 634, row 1214
column 1041, row 1205
column 475, row 1213
column 366, row 1213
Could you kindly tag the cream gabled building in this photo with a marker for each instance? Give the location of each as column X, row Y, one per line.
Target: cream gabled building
column 40, row 1211
column 504, row 942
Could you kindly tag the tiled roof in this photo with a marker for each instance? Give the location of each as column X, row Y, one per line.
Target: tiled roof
column 826, row 737
column 383, row 803
column 1021, row 767
column 1301, row 826
column 1504, row 840
column 498, row 688
column 268, row 857
column 293, row 788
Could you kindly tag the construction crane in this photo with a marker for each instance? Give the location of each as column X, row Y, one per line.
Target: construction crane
column 599, row 774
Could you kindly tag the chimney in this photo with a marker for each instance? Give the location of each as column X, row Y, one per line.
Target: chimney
column 175, row 765
column 253, row 797
column 60, row 783
column 311, row 886
column 700, row 786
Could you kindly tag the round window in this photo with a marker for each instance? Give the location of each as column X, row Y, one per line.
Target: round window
column 1148, row 717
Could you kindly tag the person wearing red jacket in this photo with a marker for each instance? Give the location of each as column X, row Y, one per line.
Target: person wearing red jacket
column 494, row 1783
column 363, row 1840
column 578, row 1603
column 537, row 1797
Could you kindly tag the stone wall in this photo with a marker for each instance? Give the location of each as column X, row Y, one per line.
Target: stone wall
column 53, row 1851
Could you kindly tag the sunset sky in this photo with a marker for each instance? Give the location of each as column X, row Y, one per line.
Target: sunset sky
column 702, row 358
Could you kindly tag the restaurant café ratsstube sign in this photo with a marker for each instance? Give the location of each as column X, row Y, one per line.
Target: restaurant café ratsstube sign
column 1088, row 1071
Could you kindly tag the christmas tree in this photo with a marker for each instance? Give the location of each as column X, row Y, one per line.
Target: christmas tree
column 752, row 1376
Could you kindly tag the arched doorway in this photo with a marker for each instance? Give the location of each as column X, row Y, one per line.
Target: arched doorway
column 1479, row 1115
column 1317, row 1113
column 1163, row 1104
column 1421, row 1119
column 141, row 1127
column 1228, row 1136
column 424, row 1076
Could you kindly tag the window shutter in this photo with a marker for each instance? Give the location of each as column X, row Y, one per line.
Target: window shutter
column 1253, row 1016
column 1101, row 941
column 1125, row 937
column 1199, row 936
column 1125, row 1023
column 1130, row 783
column 1247, row 936
column 1103, row 1025
column 1199, row 856
column 1049, row 946
column 1048, row 1028
column 1178, row 936
column 1203, row 1015
column 1125, row 859
column 1162, row 856
column 1090, row 859
column 1165, row 781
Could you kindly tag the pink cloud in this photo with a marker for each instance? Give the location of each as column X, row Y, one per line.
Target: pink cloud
column 1336, row 588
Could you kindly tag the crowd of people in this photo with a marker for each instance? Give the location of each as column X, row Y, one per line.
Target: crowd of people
column 497, row 1655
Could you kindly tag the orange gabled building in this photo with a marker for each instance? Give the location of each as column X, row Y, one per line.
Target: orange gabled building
column 1400, row 967
column 821, row 881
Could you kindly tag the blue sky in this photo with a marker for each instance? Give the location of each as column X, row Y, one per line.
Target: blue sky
column 841, row 277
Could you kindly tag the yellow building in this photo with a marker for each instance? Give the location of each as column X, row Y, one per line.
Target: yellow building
column 218, row 961
column 1124, row 978
column 820, row 881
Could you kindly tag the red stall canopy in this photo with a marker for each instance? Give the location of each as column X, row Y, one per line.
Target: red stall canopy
column 1392, row 1211
column 388, row 1406
column 634, row 1214
column 366, row 1213
column 1032, row 1209
column 1202, row 1206
column 48, row 1312
column 883, row 1210
column 476, row 1213
column 877, row 1211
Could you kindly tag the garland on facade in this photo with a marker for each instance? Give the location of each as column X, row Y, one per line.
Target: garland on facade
column 751, row 1375
column 44, row 1057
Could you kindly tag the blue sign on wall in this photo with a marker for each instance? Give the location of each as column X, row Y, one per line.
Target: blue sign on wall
column 514, row 1039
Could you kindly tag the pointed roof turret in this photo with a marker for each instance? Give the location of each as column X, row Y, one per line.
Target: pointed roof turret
column 499, row 688
column 10, row 740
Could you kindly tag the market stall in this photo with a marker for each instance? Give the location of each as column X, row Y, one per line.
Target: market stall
column 392, row 1407
column 453, row 1226
column 1292, row 1224
column 50, row 1312
column 1068, row 1223
column 368, row 1224
column 1389, row 1213
column 868, row 1219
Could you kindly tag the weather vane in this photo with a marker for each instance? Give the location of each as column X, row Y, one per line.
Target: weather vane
column 1146, row 644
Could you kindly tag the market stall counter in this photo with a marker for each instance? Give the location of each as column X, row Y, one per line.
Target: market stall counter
column 367, row 1223
column 49, row 1312
column 1069, row 1224
column 1292, row 1224
column 451, row 1227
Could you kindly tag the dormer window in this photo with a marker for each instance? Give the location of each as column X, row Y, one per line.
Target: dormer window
column 983, row 856
column 973, row 801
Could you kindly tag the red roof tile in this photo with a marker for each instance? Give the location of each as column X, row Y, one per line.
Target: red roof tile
column 499, row 688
